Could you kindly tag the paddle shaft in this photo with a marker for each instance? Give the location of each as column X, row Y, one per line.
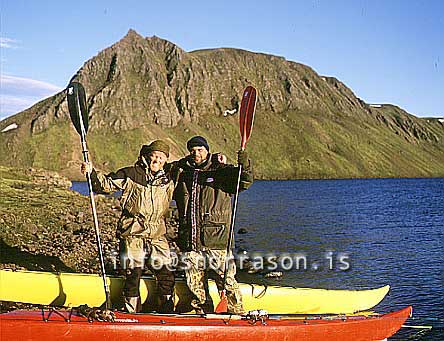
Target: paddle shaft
column 233, row 219
column 230, row 236
column 94, row 211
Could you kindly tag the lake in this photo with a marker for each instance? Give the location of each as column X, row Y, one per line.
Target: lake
column 352, row 234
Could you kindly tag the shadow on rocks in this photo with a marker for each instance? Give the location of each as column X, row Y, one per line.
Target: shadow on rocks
column 13, row 257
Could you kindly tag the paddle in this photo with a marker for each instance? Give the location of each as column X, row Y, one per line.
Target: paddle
column 246, row 118
column 78, row 111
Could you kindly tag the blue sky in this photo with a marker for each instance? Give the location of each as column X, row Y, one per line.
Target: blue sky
column 385, row 51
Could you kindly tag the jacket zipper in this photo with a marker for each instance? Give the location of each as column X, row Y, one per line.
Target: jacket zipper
column 150, row 185
column 194, row 206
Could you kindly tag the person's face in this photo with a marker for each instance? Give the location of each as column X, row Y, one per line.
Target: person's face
column 199, row 154
column 156, row 161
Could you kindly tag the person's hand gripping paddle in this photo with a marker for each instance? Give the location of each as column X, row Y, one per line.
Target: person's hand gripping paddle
column 78, row 111
column 246, row 118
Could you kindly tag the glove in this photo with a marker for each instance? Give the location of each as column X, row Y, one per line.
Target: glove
column 242, row 158
column 86, row 168
column 221, row 158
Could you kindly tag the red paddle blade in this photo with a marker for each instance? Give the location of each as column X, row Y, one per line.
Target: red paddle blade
column 222, row 307
column 246, row 114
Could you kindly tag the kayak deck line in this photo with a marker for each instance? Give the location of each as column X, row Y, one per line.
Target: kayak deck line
column 29, row 325
column 74, row 315
column 67, row 314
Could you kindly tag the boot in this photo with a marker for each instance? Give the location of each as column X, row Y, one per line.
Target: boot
column 198, row 307
column 166, row 304
column 132, row 304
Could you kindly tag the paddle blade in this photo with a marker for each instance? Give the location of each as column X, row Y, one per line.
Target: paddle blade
column 222, row 307
column 246, row 114
column 77, row 106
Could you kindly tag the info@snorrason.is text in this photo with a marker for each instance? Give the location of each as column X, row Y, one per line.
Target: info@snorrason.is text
column 253, row 262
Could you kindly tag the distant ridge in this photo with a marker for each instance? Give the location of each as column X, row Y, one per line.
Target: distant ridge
column 307, row 125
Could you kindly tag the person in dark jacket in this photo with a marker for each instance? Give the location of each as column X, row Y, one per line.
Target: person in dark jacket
column 204, row 187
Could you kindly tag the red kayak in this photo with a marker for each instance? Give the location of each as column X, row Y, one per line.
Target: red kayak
column 38, row 325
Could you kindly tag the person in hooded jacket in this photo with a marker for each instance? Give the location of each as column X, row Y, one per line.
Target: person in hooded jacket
column 146, row 194
column 205, row 184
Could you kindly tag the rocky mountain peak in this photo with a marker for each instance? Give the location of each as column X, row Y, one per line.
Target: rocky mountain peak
column 146, row 88
column 132, row 36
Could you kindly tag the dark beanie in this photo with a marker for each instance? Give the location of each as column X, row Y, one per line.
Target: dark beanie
column 157, row 145
column 197, row 141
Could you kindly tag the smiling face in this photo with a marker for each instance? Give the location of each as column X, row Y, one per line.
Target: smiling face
column 156, row 160
column 199, row 154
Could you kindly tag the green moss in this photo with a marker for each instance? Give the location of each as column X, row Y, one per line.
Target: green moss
column 51, row 149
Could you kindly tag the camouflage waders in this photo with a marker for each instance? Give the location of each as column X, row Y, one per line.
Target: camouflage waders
column 196, row 266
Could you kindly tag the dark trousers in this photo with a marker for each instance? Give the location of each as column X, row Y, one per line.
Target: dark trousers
column 164, row 278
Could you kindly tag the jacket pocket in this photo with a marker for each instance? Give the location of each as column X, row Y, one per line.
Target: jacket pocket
column 215, row 235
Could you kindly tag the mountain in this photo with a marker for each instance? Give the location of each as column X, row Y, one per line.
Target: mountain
column 306, row 125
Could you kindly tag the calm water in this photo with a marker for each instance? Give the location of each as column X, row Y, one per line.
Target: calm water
column 387, row 231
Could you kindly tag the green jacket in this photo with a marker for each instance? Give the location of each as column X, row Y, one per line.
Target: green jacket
column 203, row 197
column 145, row 200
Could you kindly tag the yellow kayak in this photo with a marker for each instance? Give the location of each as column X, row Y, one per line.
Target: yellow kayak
column 72, row 289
